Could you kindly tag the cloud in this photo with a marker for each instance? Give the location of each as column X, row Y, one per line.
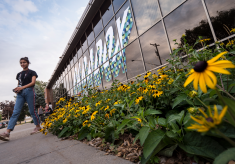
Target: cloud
column 22, row 6
column 80, row 11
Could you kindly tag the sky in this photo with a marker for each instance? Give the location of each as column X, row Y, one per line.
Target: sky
column 37, row 29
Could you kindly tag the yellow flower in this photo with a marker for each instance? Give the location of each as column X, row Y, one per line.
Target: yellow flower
column 84, row 123
column 157, row 94
column 107, row 115
column 112, row 112
column 93, row 115
column 106, row 107
column 207, row 122
column 138, row 99
column 170, row 81
column 183, row 35
column 115, row 103
column 193, row 94
column 45, row 133
column 202, row 72
column 138, row 119
column 98, row 103
column 65, row 120
column 204, row 40
column 233, row 30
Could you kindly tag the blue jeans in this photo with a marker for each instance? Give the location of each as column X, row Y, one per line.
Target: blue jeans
column 26, row 95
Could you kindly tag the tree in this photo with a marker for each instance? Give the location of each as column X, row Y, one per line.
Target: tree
column 0, row 117
column 42, row 85
column 7, row 108
column 40, row 99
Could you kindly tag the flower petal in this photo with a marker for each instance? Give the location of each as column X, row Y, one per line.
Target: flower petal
column 223, row 64
column 209, row 108
column 223, row 112
column 196, row 79
column 203, row 112
column 218, row 70
column 197, row 120
column 202, row 83
column 212, row 76
column 216, row 115
column 209, row 82
column 189, row 80
column 216, row 57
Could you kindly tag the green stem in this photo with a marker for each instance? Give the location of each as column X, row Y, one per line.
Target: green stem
column 225, row 92
column 225, row 137
column 201, row 102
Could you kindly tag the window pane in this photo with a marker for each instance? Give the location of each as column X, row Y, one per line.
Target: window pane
column 155, row 35
column 67, row 82
column 118, row 67
column 106, row 75
column 106, row 12
column 84, row 43
column 146, row 14
column 117, row 4
column 90, row 35
column 127, row 29
column 97, row 24
column 97, row 79
column 88, row 69
column 134, row 60
column 72, row 81
column 169, row 5
column 222, row 14
column 189, row 19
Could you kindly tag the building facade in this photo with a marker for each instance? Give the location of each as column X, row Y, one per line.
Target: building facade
column 120, row 39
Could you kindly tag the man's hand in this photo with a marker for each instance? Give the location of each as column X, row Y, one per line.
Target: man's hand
column 18, row 89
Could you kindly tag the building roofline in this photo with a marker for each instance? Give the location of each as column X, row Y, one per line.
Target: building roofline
column 91, row 9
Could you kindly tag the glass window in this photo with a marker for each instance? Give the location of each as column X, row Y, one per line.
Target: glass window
column 126, row 25
column 111, row 39
column 134, row 60
column 90, row 34
column 153, row 57
column 146, row 14
column 222, row 14
column 67, row 82
column 189, row 19
column 88, row 69
column 71, row 60
column 169, row 5
column 117, row 4
column 106, row 75
column 118, row 67
column 84, row 43
column 97, row 24
column 106, row 12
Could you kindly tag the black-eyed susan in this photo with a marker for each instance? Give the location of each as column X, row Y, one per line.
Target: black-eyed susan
column 202, row 72
column 207, row 122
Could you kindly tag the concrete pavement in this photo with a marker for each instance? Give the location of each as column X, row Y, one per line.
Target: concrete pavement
column 38, row 148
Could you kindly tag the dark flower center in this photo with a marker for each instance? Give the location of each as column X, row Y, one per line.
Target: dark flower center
column 200, row 66
column 209, row 119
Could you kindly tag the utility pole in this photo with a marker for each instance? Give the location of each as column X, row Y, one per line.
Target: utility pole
column 157, row 52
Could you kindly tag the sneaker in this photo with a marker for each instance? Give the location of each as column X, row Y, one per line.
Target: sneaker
column 4, row 136
column 36, row 130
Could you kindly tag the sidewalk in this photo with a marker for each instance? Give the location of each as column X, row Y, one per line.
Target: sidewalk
column 39, row 148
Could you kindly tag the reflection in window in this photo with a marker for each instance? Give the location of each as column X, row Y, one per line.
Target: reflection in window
column 97, row 24
column 79, row 54
column 84, row 43
column 222, row 14
column 155, row 35
column 146, row 14
column 72, row 78
column 126, row 26
column 117, row 4
column 90, row 34
column 169, row 5
column 189, row 19
column 67, row 82
column 106, row 12
column 88, row 69
column 134, row 60
column 106, row 75
column 118, row 67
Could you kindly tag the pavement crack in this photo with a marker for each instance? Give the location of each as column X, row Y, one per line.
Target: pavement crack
column 28, row 160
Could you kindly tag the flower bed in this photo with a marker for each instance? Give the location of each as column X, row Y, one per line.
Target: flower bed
column 162, row 111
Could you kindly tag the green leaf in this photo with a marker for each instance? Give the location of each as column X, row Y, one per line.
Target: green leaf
column 174, row 126
column 171, row 134
column 109, row 134
column 231, row 85
column 179, row 99
column 83, row 133
column 152, row 141
column 119, row 105
column 225, row 157
column 196, row 144
column 123, row 124
column 144, row 132
column 161, row 121
column 63, row 131
column 151, row 112
column 230, row 114
column 131, row 103
column 176, row 117
column 136, row 138
column 186, row 118
column 168, row 152
column 189, row 102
